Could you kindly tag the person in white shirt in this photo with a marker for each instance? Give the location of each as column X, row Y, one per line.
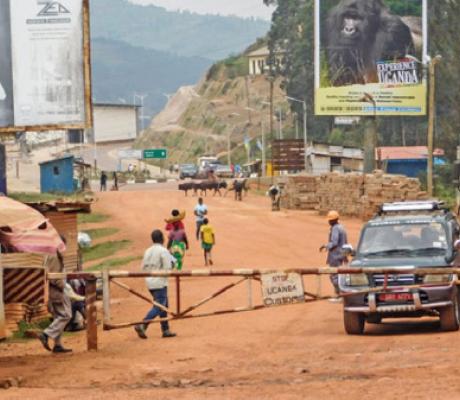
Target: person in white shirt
column 157, row 258
column 200, row 212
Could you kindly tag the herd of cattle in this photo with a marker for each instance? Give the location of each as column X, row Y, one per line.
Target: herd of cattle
column 202, row 187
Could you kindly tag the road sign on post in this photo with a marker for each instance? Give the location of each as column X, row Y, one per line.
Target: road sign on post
column 159, row 154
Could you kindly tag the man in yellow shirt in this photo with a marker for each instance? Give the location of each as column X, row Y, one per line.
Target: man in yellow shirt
column 208, row 240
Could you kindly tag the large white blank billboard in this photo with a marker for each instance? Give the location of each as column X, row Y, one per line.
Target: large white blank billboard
column 42, row 44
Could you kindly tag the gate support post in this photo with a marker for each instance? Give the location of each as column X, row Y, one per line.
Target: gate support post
column 178, row 295
column 249, row 283
column 106, row 295
column 91, row 314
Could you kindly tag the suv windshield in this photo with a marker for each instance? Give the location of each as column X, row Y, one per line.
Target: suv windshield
column 414, row 239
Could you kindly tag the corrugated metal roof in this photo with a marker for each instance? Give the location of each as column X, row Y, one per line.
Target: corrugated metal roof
column 406, row 153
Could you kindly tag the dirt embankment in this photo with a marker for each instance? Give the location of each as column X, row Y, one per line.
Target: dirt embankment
column 293, row 352
column 201, row 120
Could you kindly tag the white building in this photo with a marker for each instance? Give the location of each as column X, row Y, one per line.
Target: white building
column 258, row 60
column 114, row 123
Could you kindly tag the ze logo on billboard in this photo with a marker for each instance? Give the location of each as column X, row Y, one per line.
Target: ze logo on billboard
column 52, row 9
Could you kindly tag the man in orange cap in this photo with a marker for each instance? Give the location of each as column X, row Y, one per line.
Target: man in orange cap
column 337, row 239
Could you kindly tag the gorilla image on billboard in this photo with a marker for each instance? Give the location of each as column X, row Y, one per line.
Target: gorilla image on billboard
column 375, row 47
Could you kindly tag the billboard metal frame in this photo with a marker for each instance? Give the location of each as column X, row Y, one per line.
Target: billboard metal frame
column 87, row 87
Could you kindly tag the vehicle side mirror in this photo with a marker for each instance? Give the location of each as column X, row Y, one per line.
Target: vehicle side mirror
column 348, row 250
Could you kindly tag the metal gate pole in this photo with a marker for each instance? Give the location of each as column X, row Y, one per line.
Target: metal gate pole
column 2, row 306
column 249, row 283
column 178, row 295
column 91, row 314
column 106, row 295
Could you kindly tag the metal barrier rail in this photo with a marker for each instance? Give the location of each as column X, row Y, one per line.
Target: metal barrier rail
column 246, row 275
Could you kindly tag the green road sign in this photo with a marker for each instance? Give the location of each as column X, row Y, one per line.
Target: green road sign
column 161, row 154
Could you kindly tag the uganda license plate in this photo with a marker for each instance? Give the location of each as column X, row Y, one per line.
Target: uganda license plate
column 387, row 297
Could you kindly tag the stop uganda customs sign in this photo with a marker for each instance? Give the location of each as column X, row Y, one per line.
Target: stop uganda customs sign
column 280, row 288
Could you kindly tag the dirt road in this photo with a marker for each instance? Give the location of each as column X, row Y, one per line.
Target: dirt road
column 294, row 352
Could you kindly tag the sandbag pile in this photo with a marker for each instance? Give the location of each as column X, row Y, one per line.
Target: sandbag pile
column 352, row 194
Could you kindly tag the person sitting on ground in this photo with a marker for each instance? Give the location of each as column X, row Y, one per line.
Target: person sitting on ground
column 208, row 241
column 178, row 244
column 157, row 258
column 76, row 293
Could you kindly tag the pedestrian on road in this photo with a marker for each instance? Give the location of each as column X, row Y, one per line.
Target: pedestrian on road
column 103, row 182
column 176, row 218
column 200, row 212
column 59, row 305
column 208, row 241
column 178, row 244
column 337, row 239
column 157, row 258
column 115, row 181
column 275, row 194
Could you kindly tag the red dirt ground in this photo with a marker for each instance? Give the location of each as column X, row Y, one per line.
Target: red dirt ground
column 292, row 352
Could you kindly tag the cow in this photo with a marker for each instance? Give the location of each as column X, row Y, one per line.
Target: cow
column 187, row 186
column 204, row 186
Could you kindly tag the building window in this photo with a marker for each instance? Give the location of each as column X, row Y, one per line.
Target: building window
column 56, row 171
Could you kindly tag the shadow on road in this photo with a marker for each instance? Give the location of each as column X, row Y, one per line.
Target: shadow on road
column 404, row 327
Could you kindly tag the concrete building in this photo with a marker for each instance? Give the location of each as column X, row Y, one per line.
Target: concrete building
column 328, row 158
column 258, row 60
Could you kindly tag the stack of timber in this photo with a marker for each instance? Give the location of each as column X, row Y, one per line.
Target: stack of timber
column 352, row 194
column 381, row 188
column 17, row 312
column 341, row 192
column 300, row 193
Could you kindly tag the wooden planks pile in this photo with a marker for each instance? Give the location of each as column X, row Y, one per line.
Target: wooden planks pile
column 352, row 194
column 340, row 192
column 381, row 188
column 299, row 193
column 17, row 312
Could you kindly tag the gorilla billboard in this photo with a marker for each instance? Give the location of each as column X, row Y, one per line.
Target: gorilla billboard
column 369, row 57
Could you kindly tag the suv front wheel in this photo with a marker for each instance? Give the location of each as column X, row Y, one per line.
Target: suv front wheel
column 353, row 322
column 449, row 317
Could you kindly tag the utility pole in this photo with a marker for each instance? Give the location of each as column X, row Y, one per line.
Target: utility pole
column 280, row 114
column 264, row 160
column 431, row 120
column 141, row 97
column 370, row 137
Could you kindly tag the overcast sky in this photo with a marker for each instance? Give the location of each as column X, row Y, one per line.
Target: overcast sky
column 242, row 8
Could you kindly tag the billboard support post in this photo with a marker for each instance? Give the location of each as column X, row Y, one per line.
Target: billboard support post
column 370, row 137
column 431, row 118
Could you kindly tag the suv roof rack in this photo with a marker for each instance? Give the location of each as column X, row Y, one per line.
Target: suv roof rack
column 431, row 205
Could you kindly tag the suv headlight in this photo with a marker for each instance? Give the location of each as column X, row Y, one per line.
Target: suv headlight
column 356, row 280
column 430, row 279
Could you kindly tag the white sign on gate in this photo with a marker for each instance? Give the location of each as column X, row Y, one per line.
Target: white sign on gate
column 280, row 288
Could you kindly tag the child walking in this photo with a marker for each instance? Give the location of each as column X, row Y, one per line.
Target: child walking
column 208, row 240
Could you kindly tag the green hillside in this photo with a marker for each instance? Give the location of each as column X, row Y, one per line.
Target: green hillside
column 182, row 33
column 119, row 70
